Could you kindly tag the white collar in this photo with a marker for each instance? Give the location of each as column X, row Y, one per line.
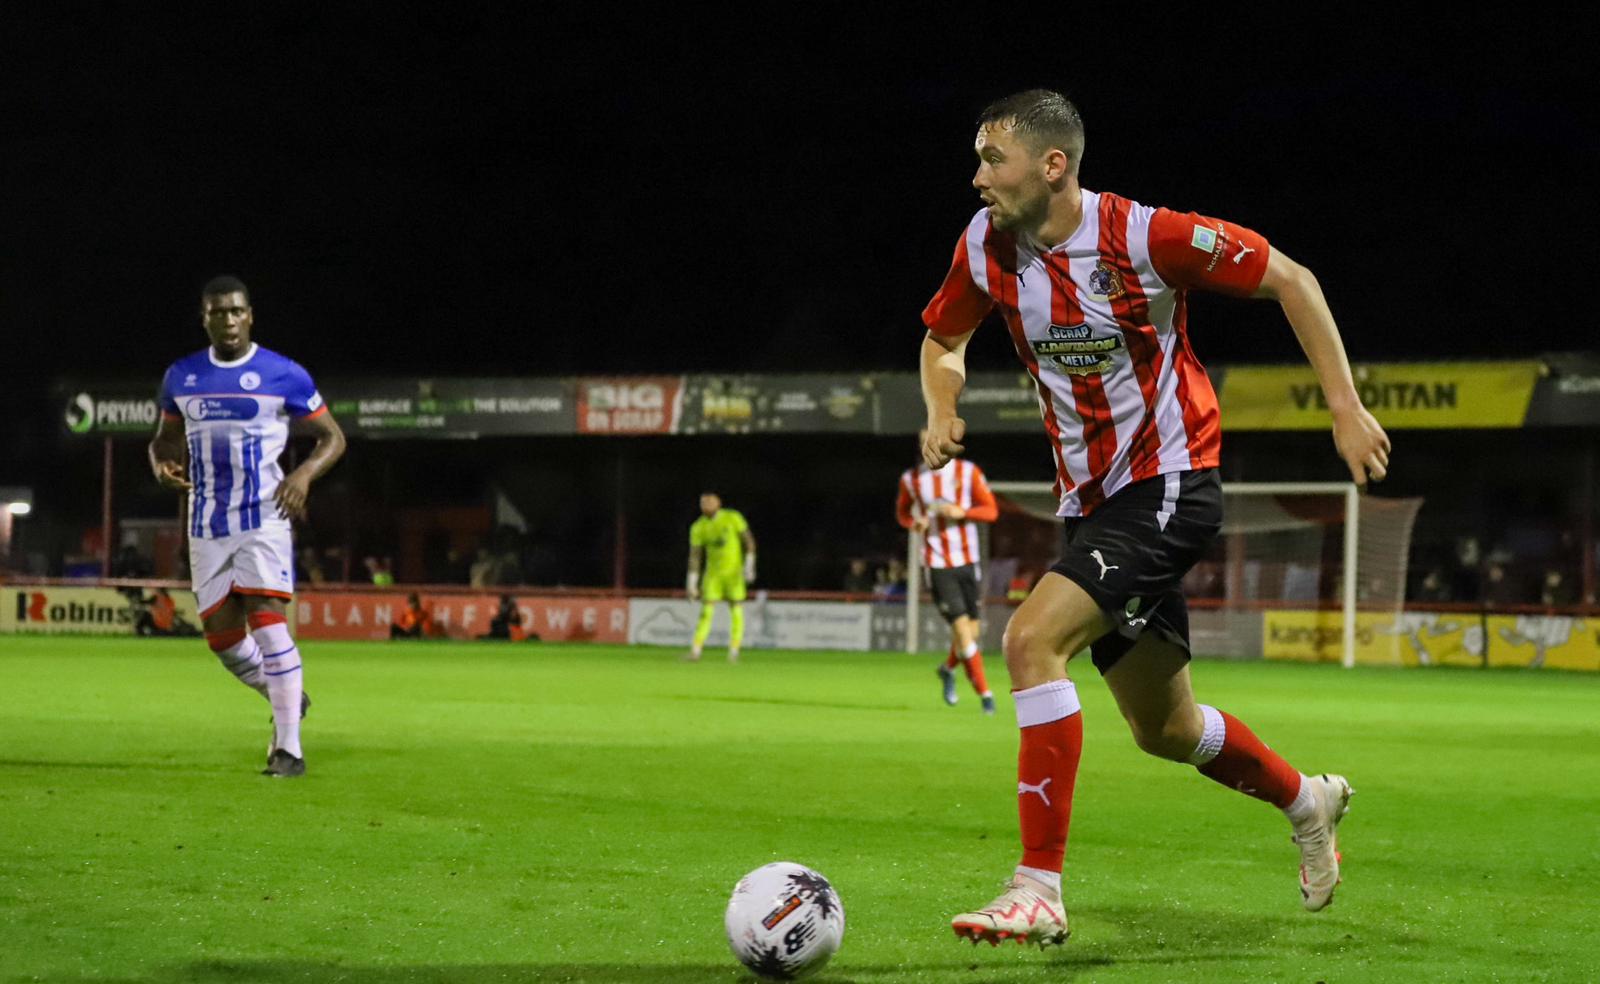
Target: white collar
column 249, row 354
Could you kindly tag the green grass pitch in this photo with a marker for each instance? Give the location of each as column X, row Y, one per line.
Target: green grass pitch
column 485, row 812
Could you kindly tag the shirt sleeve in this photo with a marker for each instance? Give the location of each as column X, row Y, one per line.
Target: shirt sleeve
column 738, row 524
column 1193, row 250
column 984, row 508
column 165, row 398
column 697, row 534
column 902, row 504
column 300, row 396
column 960, row 304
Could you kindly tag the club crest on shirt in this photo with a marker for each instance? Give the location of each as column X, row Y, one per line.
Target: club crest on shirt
column 249, row 381
column 1106, row 284
column 1076, row 350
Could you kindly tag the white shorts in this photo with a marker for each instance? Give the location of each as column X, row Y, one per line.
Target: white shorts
column 256, row 562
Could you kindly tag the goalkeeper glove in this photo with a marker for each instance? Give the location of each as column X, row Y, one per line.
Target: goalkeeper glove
column 693, row 584
column 749, row 567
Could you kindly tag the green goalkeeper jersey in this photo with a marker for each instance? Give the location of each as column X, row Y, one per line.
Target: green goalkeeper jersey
column 719, row 536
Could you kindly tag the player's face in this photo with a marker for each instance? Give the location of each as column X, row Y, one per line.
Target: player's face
column 1010, row 178
column 227, row 319
column 709, row 504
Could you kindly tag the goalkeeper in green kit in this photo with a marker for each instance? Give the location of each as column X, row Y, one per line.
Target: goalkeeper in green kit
column 722, row 560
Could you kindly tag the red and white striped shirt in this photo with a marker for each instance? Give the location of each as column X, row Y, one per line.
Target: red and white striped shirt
column 1099, row 322
column 948, row 542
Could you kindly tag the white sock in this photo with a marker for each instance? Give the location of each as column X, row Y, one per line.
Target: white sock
column 1049, row 878
column 281, row 667
column 1304, row 804
column 243, row 660
column 970, row 650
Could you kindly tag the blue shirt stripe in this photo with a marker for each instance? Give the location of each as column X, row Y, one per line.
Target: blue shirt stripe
column 255, row 470
column 250, row 504
column 222, row 468
column 197, row 478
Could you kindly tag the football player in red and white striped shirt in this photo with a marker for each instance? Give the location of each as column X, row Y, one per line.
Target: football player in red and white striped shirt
column 1092, row 288
column 946, row 505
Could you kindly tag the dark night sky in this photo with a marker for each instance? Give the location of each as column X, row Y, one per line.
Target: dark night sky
column 479, row 192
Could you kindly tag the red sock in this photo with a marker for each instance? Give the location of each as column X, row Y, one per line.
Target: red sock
column 951, row 660
column 1047, row 769
column 975, row 673
column 1231, row 754
column 224, row 640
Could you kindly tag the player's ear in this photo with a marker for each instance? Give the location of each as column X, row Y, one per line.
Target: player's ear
column 1057, row 165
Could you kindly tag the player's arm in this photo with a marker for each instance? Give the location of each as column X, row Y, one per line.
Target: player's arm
column 295, row 488
column 903, row 513
column 944, row 375
column 748, row 541
column 951, row 316
column 697, row 556
column 984, row 508
column 1357, row 435
column 168, row 452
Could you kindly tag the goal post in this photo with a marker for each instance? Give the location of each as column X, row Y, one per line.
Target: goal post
column 1288, row 552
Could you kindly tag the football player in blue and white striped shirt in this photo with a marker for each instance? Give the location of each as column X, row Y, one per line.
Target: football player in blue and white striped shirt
column 226, row 412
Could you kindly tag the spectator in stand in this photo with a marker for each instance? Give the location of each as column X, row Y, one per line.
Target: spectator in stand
column 381, row 571
column 1434, row 587
column 308, row 567
column 415, row 621
column 481, row 574
column 508, row 568
column 858, row 580
column 129, row 562
column 891, row 581
column 1467, row 579
column 1557, row 591
column 1499, row 588
column 457, row 568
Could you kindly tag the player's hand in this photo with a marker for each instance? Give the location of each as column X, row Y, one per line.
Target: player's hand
column 1362, row 444
column 920, row 524
column 170, row 475
column 950, row 510
column 291, row 496
column 750, row 568
column 943, row 441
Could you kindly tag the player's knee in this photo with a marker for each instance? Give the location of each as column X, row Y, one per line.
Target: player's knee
column 1026, row 647
column 1171, row 740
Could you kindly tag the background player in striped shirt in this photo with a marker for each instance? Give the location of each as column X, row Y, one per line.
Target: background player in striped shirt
column 945, row 505
column 225, row 417
column 1092, row 289
column 722, row 561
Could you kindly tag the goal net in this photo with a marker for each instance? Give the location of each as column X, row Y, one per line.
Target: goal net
column 1307, row 571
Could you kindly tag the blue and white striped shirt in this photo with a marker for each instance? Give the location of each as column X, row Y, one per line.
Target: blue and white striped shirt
column 236, row 418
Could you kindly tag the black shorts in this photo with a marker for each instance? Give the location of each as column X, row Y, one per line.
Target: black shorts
column 955, row 591
column 1131, row 554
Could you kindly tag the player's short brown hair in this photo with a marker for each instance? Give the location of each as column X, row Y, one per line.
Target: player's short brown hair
column 1045, row 118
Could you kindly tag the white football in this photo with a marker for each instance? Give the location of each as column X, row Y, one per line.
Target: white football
column 784, row 921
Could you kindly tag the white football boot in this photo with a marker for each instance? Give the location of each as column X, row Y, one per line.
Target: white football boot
column 1028, row 911
column 1318, row 839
